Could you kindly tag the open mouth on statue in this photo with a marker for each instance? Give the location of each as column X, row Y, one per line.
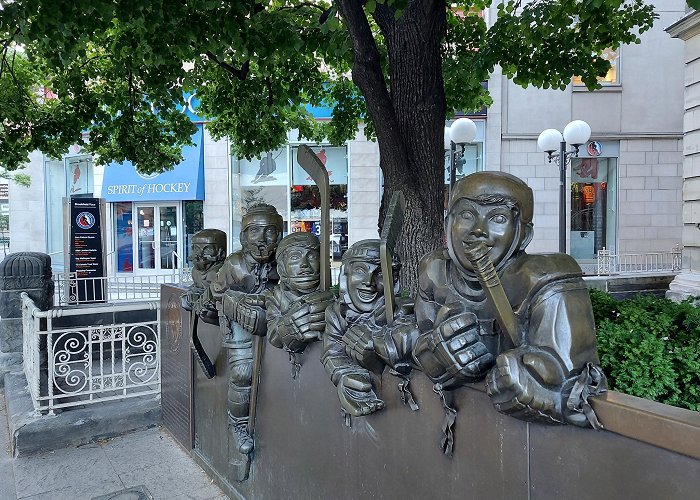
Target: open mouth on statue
column 367, row 294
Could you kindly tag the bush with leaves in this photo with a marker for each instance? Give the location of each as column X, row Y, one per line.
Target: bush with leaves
column 650, row 347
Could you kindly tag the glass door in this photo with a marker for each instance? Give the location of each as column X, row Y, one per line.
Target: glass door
column 156, row 237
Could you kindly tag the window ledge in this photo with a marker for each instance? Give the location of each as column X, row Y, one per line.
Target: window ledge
column 604, row 88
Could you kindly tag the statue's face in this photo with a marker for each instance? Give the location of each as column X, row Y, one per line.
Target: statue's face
column 260, row 241
column 494, row 225
column 205, row 254
column 302, row 268
column 365, row 284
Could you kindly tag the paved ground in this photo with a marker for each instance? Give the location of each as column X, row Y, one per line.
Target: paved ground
column 148, row 458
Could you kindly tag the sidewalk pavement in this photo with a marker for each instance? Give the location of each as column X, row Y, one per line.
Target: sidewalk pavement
column 149, row 461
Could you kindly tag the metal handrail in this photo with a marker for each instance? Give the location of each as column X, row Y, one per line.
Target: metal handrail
column 609, row 262
column 91, row 363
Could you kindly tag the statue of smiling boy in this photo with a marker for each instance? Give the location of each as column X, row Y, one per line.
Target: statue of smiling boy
column 538, row 356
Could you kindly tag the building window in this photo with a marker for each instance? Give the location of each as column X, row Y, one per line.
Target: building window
column 265, row 180
column 194, row 222
column 593, row 206
column 79, row 175
column 70, row 177
column 305, row 200
column 612, row 77
column 471, row 161
column 123, row 223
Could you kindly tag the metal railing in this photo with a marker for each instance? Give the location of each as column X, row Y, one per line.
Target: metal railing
column 72, row 366
column 71, row 290
column 633, row 263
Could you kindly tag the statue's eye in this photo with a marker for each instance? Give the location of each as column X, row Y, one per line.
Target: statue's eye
column 499, row 219
column 467, row 214
column 359, row 270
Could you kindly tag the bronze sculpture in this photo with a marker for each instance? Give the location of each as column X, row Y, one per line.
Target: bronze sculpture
column 239, row 295
column 296, row 306
column 487, row 310
column 356, row 342
column 208, row 254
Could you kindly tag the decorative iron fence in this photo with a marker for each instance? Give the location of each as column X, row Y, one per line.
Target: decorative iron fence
column 630, row 263
column 72, row 366
column 71, row 290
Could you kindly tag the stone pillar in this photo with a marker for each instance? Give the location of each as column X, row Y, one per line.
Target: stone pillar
column 20, row 272
column 687, row 283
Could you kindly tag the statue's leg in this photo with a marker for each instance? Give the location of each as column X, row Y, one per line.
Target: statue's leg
column 240, row 361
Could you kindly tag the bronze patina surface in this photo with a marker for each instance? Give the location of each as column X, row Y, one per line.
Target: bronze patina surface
column 488, row 310
column 239, row 294
column 208, row 254
column 356, row 343
column 295, row 307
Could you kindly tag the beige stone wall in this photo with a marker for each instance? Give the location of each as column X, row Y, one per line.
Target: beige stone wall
column 27, row 209
column 217, row 195
column 649, row 195
column 522, row 159
column 364, row 195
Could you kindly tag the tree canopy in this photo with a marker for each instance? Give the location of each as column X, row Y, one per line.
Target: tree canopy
column 119, row 68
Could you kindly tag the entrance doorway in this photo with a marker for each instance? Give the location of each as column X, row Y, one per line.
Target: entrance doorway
column 155, row 238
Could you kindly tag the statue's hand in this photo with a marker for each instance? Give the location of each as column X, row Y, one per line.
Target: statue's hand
column 229, row 304
column 395, row 345
column 356, row 394
column 359, row 345
column 458, row 348
column 526, row 383
column 250, row 314
column 308, row 315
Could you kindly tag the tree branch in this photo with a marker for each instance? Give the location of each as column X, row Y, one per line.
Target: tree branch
column 241, row 73
column 5, row 46
column 368, row 76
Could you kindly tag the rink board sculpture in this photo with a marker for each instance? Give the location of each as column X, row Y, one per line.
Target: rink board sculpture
column 486, row 312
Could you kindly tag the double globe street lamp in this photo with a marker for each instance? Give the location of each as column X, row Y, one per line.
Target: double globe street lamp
column 460, row 133
column 576, row 133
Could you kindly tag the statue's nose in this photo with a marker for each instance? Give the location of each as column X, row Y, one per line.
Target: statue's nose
column 479, row 231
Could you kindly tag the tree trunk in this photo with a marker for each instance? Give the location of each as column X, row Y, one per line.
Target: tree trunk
column 408, row 116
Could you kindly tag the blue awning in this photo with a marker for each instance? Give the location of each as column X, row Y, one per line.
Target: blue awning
column 185, row 182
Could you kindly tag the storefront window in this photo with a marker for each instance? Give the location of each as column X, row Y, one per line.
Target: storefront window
column 593, row 205
column 71, row 176
column 55, row 192
column 306, row 201
column 194, row 222
column 123, row 221
column 79, row 174
column 265, row 180
column 471, row 161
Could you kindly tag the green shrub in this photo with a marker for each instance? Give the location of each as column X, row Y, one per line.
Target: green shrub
column 650, row 347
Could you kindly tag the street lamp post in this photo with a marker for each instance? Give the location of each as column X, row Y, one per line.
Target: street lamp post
column 576, row 133
column 461, row 133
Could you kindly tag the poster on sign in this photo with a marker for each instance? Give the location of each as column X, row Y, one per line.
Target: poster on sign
column 86, row 252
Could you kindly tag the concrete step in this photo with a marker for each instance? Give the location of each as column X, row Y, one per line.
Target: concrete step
column 32, row 433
